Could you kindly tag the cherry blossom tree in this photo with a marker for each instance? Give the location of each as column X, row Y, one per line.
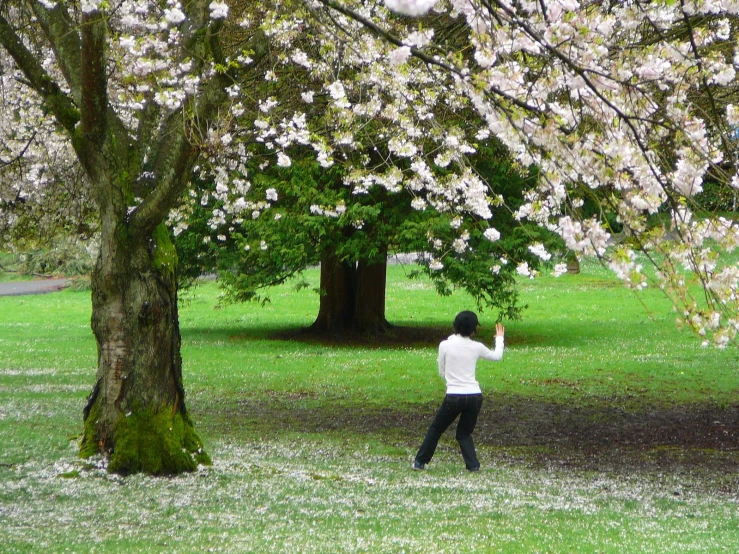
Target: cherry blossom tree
column 403, row 135
column 131, row 88
column 144, row 96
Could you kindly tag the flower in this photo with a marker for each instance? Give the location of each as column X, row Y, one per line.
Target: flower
column 218, row 10
column 524, row 270
column 491, row 234
column 436, row 265
column 410, row 7
column 336, row 90
column 174, row 16
column 538, row 250
column 559, row 270
column 283, row 160
column 399, row 56
column 90, row 6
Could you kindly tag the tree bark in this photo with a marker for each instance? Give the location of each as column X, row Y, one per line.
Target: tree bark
column 352, row 297
column 336, row 295
column 369, row 298
column 136, row 414
column 573, row 264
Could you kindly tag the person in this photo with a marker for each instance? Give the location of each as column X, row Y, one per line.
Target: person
column 458, row 357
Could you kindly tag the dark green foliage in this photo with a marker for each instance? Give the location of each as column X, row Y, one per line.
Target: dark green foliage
column 282, row 241
column 717, row 197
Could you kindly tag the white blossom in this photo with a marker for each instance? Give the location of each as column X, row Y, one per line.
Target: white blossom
column 540, row 251
column 559, row 270
column 218, row 10
column 90, row 6
column 283, row 160
column 524, row 270
column 399, row 56
column 174, row 16
column 410, row 7
column 491, row 234
column 436, row 265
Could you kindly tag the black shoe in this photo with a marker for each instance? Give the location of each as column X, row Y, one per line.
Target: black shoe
column 415, row 466
column 471, row 469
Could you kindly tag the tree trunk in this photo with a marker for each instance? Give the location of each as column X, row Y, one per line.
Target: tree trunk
column 369, row 298
column 352, row 297
column 136, row 413
column 573, row 264
column 337, row 293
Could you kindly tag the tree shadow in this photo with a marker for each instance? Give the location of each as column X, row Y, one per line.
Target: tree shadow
column 399, row 336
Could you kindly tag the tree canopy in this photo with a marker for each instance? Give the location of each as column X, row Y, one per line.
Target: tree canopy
column 624, row 105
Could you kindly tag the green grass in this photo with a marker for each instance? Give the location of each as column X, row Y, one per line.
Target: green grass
column 605, row 429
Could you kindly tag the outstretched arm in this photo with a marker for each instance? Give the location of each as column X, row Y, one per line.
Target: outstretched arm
column 497, row 353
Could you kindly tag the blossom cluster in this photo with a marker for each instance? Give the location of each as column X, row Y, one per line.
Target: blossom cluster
column 617, row 115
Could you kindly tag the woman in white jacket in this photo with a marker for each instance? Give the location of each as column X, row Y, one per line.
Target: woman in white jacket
column 458, row 357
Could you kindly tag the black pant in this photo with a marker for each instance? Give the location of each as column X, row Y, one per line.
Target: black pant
column 468, row 405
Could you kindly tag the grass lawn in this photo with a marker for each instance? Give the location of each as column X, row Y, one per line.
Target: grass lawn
column 604, row 429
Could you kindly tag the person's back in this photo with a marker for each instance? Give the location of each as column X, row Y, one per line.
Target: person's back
column 458, row 357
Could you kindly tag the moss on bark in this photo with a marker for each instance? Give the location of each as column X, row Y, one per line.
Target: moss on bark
column 88, row 443
column 164, row 254
column 157, row 443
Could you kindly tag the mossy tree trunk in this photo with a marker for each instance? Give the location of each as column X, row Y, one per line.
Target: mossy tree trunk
column 136, row 414
column 573, row 263
column 352, row 296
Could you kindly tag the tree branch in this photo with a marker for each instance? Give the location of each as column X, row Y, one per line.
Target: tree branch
column 420, row 54
column 3, row 163
column 94, row 94
column 65, row 42
column 55, row 100
column 175, row 154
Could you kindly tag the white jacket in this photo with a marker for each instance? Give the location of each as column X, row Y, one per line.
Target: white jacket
column 458, row 357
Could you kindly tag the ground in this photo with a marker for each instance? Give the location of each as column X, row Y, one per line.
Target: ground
column 599, row 434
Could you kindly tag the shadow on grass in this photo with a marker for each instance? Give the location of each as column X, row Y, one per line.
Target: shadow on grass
column 399, row 336
column 518, row 430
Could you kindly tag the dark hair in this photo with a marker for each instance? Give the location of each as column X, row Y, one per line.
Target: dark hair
column 465, row 323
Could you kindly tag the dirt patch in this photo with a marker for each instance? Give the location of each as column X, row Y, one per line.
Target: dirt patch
column 511, row 429
column 523, row 431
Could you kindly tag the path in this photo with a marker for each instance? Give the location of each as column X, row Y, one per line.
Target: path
column 41, row 286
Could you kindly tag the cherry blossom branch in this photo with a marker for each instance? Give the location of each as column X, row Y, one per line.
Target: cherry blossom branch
column 21, row 153
column 420, row 54
column 64, row 110
column 64, row 39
